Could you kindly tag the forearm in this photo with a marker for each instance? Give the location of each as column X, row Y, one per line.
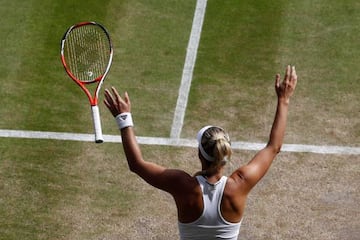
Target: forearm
column 259, row 165
column 131, row 148
column 278, row 128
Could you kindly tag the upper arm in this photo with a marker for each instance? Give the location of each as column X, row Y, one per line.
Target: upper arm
column 169, row 180
column 251, row 173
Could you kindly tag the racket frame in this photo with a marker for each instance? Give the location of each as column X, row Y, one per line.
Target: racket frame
column 93, row 99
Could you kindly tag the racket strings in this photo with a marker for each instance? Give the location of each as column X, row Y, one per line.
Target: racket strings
column 87, row 52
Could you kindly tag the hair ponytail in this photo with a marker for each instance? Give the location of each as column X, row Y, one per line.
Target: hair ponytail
column 214, row 147
column 222, row 150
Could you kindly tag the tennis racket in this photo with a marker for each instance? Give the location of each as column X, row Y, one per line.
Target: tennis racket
column 86, row 53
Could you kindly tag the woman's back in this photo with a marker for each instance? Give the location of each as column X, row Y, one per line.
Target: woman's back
column 210, row 222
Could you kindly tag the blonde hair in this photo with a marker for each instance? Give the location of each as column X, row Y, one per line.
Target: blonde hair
column 215, row 144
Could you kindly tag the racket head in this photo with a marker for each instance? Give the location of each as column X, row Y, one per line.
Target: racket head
column 86, row 52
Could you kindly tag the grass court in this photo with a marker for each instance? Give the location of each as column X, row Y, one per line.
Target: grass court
column 61, row 190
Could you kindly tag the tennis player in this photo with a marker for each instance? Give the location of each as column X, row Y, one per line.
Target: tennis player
column 210, row 205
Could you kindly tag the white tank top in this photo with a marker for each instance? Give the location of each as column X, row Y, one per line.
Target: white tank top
column 211, row 224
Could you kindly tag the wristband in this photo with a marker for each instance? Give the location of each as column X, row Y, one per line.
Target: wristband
column 124, row 120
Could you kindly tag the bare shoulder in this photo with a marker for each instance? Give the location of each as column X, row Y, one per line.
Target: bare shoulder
column 182, row 182
column 236, row 183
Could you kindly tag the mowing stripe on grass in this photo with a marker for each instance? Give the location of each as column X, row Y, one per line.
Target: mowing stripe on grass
column 191, row 53
column 178, row 142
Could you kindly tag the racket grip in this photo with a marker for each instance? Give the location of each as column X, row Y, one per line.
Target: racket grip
column 97, row 124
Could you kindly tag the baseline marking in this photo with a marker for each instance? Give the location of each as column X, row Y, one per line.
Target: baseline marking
column 187, row 74
column 179, row 142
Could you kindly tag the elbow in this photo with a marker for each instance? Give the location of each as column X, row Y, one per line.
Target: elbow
column 133, row 168
column 134, row 161
column 136, row 165
column 275, row 148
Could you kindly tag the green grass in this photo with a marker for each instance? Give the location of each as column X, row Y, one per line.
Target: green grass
column 235, row 65
column 151, row 42
column 243, row 47
column 43, row 190
column 74, row 190
column 32, row 185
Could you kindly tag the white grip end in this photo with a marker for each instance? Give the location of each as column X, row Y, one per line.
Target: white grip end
column 97, row 124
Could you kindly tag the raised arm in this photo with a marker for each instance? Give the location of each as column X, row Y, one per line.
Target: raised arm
column 156, row 175
column 252, row 172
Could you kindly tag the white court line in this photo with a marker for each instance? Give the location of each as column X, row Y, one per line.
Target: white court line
column 179, row 142
column 187, row 74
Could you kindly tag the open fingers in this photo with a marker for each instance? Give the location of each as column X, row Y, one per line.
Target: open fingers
column 293, row 76
column 116, row 96
column 277, row 81
column 287, row 86
column 115, row 102
column 287, row 74
column 290, row 76
column 127, row 99
column 115, row 92
column 110, row 103
column 108, row 98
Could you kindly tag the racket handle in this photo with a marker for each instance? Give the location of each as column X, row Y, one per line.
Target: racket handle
column 97, row 124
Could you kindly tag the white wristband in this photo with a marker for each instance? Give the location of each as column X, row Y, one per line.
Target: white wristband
column 124, row 120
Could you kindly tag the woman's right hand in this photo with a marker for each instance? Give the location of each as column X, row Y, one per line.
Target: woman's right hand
column 116, row 104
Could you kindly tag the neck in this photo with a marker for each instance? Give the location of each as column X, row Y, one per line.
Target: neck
column 213, row 178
